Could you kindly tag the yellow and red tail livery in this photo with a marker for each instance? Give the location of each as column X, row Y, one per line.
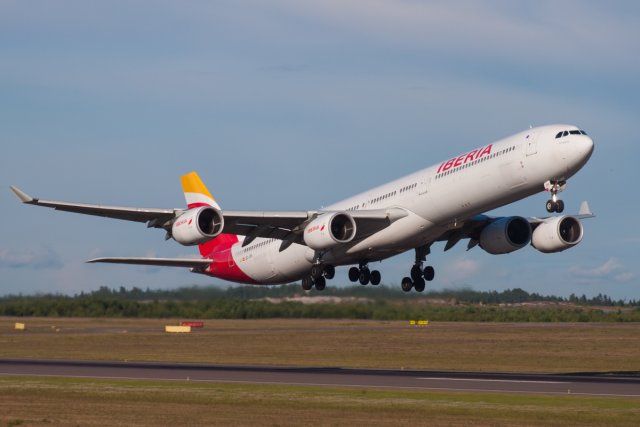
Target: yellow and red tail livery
column 195, row 192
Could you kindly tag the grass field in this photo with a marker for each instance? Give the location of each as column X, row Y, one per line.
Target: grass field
column 516, row 347
column 526, row 347
column 54, row 401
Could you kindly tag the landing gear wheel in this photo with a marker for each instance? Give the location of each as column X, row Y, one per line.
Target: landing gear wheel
column 365, row 276
column 329, row 272
column 320, row 283
column 375, row 277
column 429, row 273
column 354, row 274
column 416, row 272
column 307, row 283
column 419, row 285
column 316, row 271
column 406, row 284
column 559, row 206
column 551, row 206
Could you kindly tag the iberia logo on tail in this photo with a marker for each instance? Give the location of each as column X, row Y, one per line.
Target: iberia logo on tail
column 195, row 192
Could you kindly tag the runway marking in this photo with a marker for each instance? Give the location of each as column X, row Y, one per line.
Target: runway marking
column 450, row 389
column 493, row 380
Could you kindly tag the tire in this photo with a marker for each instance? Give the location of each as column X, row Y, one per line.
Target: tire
column 375, row 278
column 329, row 272
column 419, row 285
column 354, row 274
column 307, row 283
column 429, row 273
column 364, row 276
column 559, row 206
column 416, row 273
column 320, row 283
column 551, row 206
column 406, row 284
column 316, row 271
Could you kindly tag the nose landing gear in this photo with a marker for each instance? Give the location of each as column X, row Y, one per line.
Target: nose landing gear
column 554, row 204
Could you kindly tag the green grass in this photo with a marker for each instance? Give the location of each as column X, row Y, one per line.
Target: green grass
column 515, row 347
column 58, row 401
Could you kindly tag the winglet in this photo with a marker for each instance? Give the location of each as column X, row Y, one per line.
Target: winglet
column 584, row 209
column 24, row 197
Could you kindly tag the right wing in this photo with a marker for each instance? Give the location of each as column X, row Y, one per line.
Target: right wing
column 287, row 226
column 160, row 218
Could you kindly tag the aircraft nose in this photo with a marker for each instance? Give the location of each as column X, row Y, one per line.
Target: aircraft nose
column 584, row 146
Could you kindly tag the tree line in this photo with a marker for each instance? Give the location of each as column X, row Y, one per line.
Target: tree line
column 379, row 303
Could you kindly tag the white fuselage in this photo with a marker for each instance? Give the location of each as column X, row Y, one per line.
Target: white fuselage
column 437, row 198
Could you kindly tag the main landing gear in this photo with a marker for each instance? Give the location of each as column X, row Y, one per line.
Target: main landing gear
column 318, row 276
column 364, row 276
column 554, row 204
column 419, row 275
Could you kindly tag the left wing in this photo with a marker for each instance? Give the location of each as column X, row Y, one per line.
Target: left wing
column 472, row 227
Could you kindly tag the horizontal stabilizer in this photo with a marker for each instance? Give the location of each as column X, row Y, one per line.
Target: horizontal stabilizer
column 160, row 262
column 584, row 209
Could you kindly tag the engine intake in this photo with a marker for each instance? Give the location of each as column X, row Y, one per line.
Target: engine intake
column 505, row 235
column 557, row 234
column 198, row 225
column 329, row 230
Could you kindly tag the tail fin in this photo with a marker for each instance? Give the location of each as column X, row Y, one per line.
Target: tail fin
column 196, row 195
column 195, row 192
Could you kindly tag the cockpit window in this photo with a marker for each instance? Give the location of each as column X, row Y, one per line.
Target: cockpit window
column 562, row 134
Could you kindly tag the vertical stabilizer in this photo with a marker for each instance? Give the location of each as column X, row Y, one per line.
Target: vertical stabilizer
column 197, row 195
column 195, row 192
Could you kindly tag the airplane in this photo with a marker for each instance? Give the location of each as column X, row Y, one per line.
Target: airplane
column 442, row 203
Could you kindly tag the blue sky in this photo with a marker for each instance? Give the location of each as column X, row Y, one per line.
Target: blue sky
column 294, row 105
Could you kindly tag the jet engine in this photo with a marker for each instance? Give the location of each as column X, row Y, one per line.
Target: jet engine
column 329, row 230
column 197, row 225
column 505, row 235
column 557, row 234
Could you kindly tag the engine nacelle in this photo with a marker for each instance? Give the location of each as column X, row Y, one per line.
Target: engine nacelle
column 505, row 235
column 329, row 230
column 197, row 225
column 557, row 234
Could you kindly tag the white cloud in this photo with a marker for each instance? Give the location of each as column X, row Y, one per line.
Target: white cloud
column 37, row 258
column 612, row 270
column 460, row 269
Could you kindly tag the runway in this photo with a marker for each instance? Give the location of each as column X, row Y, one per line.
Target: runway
column 575, row 384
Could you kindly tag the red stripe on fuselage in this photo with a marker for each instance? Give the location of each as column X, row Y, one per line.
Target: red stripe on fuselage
column 219, row 250
column 223, row 265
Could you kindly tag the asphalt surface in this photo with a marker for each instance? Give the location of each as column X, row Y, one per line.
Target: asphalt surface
column 576, row 384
